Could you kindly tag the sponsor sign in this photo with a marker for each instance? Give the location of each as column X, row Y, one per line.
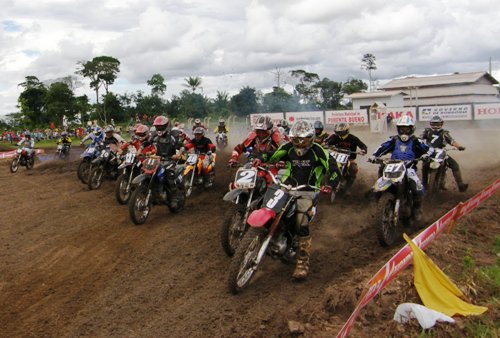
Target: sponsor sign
column 310, row 116
column 396, row 113
column 447, row 113
column 487, row 111
column 12, row 153
column 404, row 256
column 276, row 117
column 355, row 116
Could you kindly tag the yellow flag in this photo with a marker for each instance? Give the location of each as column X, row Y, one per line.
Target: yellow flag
column 435, row 289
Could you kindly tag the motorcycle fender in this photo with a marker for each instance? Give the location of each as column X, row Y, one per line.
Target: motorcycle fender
column 381, row 185
column 138, row 179
column 232, row 195
column 187, row 170
column 259, row 218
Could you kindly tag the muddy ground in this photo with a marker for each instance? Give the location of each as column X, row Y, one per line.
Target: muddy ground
column 73, row 264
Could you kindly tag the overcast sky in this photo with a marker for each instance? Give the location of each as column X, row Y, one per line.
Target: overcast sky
column 235, row 43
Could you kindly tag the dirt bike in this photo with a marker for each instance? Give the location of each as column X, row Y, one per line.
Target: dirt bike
column 22, row 158
column 62, row 151
column 85, row 166
column 247, row 192
column 221, row 140
column 395, row 205
column 150, row 188
column 437, row 165
column 193, row 171
column 343, row 163
column 273, row 231
column 105, row 165
column 129, row 169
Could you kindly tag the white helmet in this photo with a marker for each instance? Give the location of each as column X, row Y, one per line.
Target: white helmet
column 405, row 127
column 301, row 136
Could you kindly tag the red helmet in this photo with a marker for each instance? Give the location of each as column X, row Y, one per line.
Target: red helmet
column 161, row 124
column 141, row 132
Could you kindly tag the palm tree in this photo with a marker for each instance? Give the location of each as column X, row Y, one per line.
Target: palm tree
column 193, row 82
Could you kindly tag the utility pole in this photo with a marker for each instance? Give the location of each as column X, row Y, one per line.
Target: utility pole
column 277, row 75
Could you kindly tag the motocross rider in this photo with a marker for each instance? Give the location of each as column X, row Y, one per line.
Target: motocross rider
column 197, row 124
column 437, row 137
column 319, row 134
column 166, row 146
column 97, row 136
column 203, row 145
column 29, row 144
column 221, row 128
column 263, row 141
column 141, row 134
column 406, row 146
column 343, row 139
column 283, row 123
column 306, row 163
column 64, row 139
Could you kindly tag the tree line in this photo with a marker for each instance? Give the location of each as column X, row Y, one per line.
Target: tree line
column 41, row 103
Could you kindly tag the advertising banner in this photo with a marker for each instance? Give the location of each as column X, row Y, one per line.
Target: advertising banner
column 354, row 116
column 487, row 111
column 276, row 117
column 447, row 113
column 310, row 116
column 396, row 113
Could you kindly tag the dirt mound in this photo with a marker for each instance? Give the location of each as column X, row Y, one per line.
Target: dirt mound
column 73, row 264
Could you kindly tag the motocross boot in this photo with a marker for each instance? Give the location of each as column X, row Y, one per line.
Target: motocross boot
column 462, row 187
column 302, row 267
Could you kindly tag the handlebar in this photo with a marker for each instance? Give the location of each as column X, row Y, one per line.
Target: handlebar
column 346, row 151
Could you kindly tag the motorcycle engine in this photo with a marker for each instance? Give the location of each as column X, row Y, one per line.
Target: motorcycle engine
column 278, row 246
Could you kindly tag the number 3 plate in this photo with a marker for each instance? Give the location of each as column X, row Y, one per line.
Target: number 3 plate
column 245, row 178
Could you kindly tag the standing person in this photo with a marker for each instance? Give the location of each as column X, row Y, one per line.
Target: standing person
column 343, row 139
column 262, row 141
column 306, row 162
column 406, row 146
column 166, row 147
column 437, row 137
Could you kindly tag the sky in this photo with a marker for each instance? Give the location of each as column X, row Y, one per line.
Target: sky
column 231, row 44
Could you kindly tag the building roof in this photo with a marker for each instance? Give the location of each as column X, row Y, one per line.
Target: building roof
column 479, row 89
column 439, row 80
column 385, row 93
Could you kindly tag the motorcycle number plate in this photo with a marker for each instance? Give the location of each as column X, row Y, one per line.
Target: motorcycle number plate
column 394, row 170
column 90, row 150
column 59, row 146
column 245, row 178
column 340, row 157
column 192, row 159
column 129, row 158
column 275, row 199
column 105, row 154
column 439, row 154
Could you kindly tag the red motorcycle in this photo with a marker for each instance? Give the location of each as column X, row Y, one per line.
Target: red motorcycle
column 23, row 158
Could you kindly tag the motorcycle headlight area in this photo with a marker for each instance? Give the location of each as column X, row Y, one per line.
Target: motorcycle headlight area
column 394, row 175
column 434, row 165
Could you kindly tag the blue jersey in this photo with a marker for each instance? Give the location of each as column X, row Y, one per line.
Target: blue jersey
column 407, row 151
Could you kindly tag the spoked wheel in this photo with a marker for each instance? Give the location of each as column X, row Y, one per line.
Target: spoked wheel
column 122, row 189
column 139, row 205
column 30, row 162
column 244, row 263
column 14, row 165
column 83, row 171
column 188, row 186
column 434, row 182
column 95, row 178
column 386, row 224
column 233, row 229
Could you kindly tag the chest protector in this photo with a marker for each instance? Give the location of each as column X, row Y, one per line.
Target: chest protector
column 165, row 146
column 403, row 150
column 436, row 138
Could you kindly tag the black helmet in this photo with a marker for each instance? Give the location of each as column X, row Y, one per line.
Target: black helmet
column 318, row 127
column 436, row 122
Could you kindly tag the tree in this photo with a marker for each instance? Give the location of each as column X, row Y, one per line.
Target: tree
column 32, row 102
column 245, row 102
column 221, row 104
column 157, row 84
column 60, row 103
column 353, row 86
column 193, row 82
column 305, row 88
column 101, row 70
column 193, row 104
column 330, row 93
column 368, row 63
column 279, row 100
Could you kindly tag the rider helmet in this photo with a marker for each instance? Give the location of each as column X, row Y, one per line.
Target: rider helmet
column 318, row 127
column 161, row 124
column 283, row 123
column 64, row 134
column 222, row 122
column 199, row 133
column 405, row 127
column 197, row 123
column 436, row 122
column 97, row 131
column 109, row 131
column 27, row 134
column 141, row 132
column 342, row 130
column 263, row 127
column 302, row 135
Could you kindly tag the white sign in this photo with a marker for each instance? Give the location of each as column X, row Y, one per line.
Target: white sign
column 355, row 116
column 396, row 113
column 276, row 117
column 447, row 113
column 310, row 116
column 487, row 111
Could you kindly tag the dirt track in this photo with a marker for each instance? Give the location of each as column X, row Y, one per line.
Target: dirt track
column 73, row 264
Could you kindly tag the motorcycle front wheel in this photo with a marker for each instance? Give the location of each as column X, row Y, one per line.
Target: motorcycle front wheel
column 244, row 263
column 188, row 186
column 233, row 229
column 14, row 165
column 122, row 189
column 30, row 163
column 435, row 182
column 386, row 227
column 95, row 178
column 139, row 205
column 83, row 171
